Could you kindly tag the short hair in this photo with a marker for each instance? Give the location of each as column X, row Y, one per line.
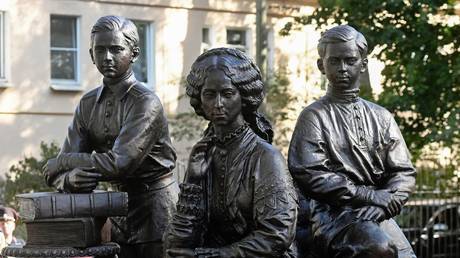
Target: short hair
column 244, row 75
column 8, row 214
column 342, row 33
column 117, row 23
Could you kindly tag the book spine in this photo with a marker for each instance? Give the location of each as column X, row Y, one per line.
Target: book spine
column 107, row 204
column 109, row 200
column 53, row 206
column 73, row 208
column 91, row 205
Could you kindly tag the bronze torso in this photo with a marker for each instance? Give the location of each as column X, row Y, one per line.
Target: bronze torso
column 342, row 142
column 122, row 132
column 252, row 204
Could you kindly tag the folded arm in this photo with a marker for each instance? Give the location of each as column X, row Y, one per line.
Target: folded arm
column 398, row 165
column 139, row 132
column 187, row 225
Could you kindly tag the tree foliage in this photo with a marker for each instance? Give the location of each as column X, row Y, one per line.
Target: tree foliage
column 279, row 107
column 419, row 44
column 26, row 176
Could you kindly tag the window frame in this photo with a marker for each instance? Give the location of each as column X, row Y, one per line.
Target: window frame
column 211, row 44
column 150, row 53
column 247, row 33
column 4, row 50
column 64, row 84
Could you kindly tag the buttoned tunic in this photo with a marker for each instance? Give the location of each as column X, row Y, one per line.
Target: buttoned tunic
column 341, row 142
column 123, row 130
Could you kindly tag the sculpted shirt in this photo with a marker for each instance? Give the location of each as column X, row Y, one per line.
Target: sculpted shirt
column 246, row 204
column 124, row 131
column 121, row 131
column 341, row 142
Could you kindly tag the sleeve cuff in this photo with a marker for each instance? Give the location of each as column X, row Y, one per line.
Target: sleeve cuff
column 190, row 200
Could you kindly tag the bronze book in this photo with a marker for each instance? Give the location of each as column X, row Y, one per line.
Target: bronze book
column 47, row 205
column 70, row 232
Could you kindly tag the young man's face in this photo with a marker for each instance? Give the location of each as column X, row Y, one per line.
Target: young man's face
column 342, row 64
column 112, row 54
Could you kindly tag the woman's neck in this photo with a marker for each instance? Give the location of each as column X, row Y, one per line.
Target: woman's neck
column 223, row 130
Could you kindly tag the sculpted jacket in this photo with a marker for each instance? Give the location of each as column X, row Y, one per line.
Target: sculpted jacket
column 245, row 204
column 342, row 148
column 121, row 131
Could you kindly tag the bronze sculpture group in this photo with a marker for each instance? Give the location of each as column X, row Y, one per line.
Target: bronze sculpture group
column 350, row 165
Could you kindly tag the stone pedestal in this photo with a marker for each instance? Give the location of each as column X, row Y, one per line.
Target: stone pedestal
column 107, row 250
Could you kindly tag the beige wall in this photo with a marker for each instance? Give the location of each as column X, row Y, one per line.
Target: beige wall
column 30, row 111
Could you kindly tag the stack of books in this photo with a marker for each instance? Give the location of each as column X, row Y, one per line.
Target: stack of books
column 69, row 220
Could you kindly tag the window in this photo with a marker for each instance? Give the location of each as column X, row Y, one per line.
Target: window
column 236, row 38
column 64, row 50
column 2, row 47
column 206, row 43
column 143, row 67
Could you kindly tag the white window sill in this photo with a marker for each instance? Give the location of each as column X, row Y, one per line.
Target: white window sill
column 66, row 87
column 5, row 84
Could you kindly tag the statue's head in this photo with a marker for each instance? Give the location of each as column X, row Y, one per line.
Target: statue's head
column 114, row 45
column 224, row 84
column 343, row 56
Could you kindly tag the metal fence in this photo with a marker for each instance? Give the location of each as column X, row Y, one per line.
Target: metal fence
column 431, row 218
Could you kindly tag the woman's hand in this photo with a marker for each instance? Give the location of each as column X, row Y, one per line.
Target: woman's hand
column 197, row 163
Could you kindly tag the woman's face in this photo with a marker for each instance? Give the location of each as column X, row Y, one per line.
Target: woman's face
column 220, row 100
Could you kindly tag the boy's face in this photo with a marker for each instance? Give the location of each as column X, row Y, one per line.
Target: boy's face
column 112, row 54
column 342, row 64
column 7, row 227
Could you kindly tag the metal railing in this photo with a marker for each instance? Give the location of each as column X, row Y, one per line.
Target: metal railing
column 431, row 219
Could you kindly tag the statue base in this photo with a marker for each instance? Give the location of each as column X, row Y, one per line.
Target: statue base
column 103, row 250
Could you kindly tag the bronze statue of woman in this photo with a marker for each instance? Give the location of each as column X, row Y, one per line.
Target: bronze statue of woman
column 237, row 199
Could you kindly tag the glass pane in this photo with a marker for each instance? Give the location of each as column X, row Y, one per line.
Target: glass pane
column 205, row 36
column 63, row 65
column 63, row 31
column 236, row 37
column 140, row 66
column 2, row 46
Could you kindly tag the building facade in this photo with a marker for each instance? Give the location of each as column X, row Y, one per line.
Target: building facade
column 45, row 66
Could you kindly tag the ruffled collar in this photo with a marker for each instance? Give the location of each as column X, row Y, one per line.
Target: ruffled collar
column 230, row 137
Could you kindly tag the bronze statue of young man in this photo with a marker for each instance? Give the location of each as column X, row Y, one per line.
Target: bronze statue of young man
column 119, row 133
column 350, row 161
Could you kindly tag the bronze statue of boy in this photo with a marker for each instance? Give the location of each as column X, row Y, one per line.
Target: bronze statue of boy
column 119, row 133
column 348, row 158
